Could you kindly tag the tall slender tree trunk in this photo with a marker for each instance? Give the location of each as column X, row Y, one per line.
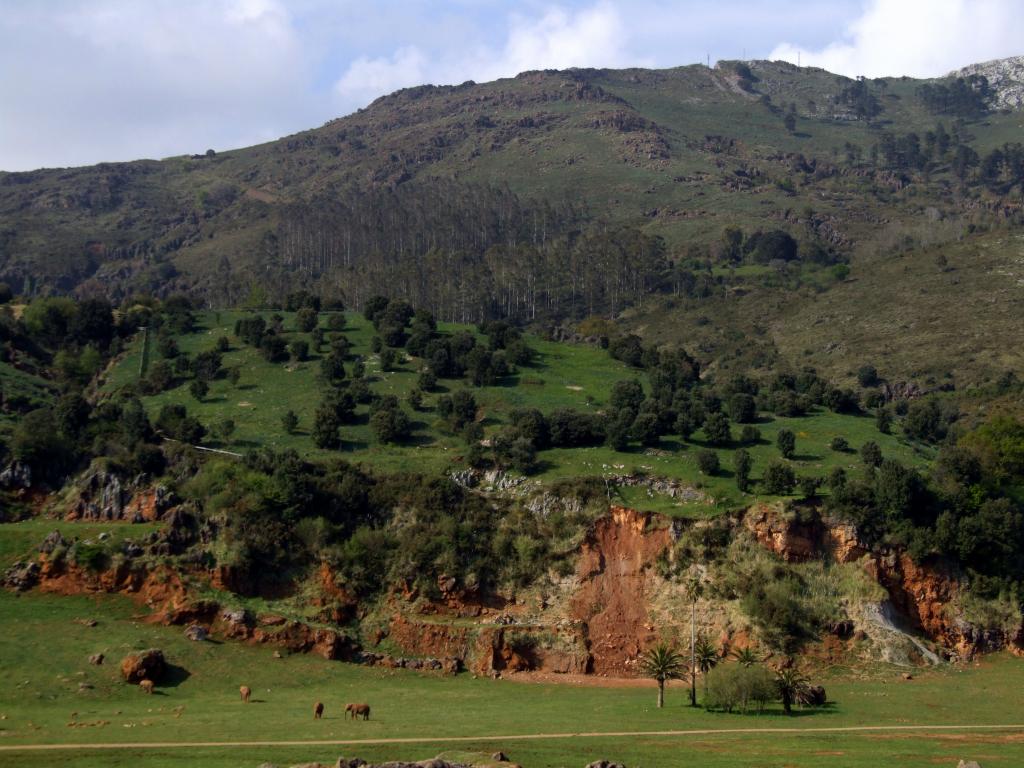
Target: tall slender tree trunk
column 693, row 654
column 661, row 694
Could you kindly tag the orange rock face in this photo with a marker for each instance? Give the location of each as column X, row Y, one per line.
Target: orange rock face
column 615, row 574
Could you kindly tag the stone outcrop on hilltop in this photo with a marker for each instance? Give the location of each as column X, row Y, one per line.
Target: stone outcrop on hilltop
column 1006, row 78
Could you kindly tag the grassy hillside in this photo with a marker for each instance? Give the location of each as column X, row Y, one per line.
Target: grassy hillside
column 563, row 376
column 632, row 145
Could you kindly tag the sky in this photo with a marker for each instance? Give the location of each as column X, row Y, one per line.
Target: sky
column 85, row 81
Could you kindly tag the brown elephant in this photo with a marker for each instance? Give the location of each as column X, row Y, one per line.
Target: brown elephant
column 245, row 692
column 358, row 710
column 318, row 710
column 146, row 686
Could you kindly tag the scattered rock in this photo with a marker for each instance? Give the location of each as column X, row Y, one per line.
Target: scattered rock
column 968, row 764
column 22, row 576
column 907, row 676
column 16, row 475
column 604, row 764
column 85, row 686
column 499, row 757
column 144, row 665
column 146, row 686
column 196, row 633
column 96, row 659
column 53, row 540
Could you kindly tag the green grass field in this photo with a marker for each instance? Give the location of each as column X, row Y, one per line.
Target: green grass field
column 563, row 376
column 43, row 664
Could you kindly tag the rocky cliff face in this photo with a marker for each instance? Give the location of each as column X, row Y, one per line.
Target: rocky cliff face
column 1005, row 76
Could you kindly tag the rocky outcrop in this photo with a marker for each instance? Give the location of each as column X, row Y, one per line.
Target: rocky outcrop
column 615, row 579
column 1005, row 78
column 144, row 665
column 104, row 495
column 16, row 476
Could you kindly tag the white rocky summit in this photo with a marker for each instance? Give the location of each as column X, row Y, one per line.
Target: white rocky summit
column 1005, row 76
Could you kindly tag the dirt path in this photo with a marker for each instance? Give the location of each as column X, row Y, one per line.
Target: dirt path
column 518, row 737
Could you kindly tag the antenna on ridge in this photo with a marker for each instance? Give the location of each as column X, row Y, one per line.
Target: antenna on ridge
column 709, row 59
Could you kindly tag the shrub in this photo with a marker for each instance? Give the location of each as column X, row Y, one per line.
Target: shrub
column 786, row 442
column 750, row 435
column 778, row 479
column 299, row 350
column 871, row 454
column 839, row 444
column 274, row 348
column 737, row 687
column 290, row 422
column 390, row 425
column 198, row 389
column 306, row 319
column 716, row 429
column 742, row 463
column 707, row 462
column 742, row 408
column 867, row 376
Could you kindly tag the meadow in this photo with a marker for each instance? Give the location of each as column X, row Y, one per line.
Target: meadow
column 562, row 376
column 51, row 695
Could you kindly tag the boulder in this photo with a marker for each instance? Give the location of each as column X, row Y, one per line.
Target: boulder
column 96, row 659
column 604, row 764
column 354, row 762
column 814, row 696
column 22, row 576
column 144, row 665
column 968, row 764
column 499, row 757
column 196, row 633
column 53, row 540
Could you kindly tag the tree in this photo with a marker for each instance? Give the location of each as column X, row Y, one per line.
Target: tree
column 791, row 684
column 867, row 376
column 790, row 122
column 299, row 350
column 786, row 442
column 224, row 429
column 871, row 454
column 694, row 590
column 716, row 429
column 707, row 657
column 290, row 422
column 742, row 408
column 198, row 389
column 747, row 657
column 627, row 395
column 750, row 435
column 390, row 425
column 809, row 486
column 839, row 444
column 707, row 461
column 778, row 479
column 742, row 463
column 883, row 420
column 306, row 319
column 388, row 358
column 663, row 664
column 325, row 427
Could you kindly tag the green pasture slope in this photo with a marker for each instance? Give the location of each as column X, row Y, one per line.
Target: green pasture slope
column 563, row 376
column 44, row 662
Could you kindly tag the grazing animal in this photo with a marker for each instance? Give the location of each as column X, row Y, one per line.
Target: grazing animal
column 318, row 710
column 146, row 686
column 246, row 693
column 358, row 709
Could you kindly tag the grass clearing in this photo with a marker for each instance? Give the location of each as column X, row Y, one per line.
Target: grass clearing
column 43, row 661
column 563, row 376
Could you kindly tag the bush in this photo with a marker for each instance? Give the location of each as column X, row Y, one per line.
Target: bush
column 198, row 389
column 390, row 425
column 299, row 350
column 707, row 462
column 716, row 429
column 778, row 479
column 839, row 444
column 737, row 687
column 306, row 319
column 742, row 463
column 871, row 454
column 750, row 435
column 786, row 442
column 867, row 376
column 274, row 348
column 290, row 422
column 742, row 408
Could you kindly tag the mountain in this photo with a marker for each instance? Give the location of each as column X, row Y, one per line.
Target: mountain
column 552, row 195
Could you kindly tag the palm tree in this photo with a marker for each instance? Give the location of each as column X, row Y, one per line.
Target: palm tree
column 663, row 664
column 694, row 589
column 791, row 683
column 746, row 656
column 707, row 657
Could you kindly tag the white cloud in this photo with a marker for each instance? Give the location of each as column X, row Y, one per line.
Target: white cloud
column 920, row 38
column 556, row 38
